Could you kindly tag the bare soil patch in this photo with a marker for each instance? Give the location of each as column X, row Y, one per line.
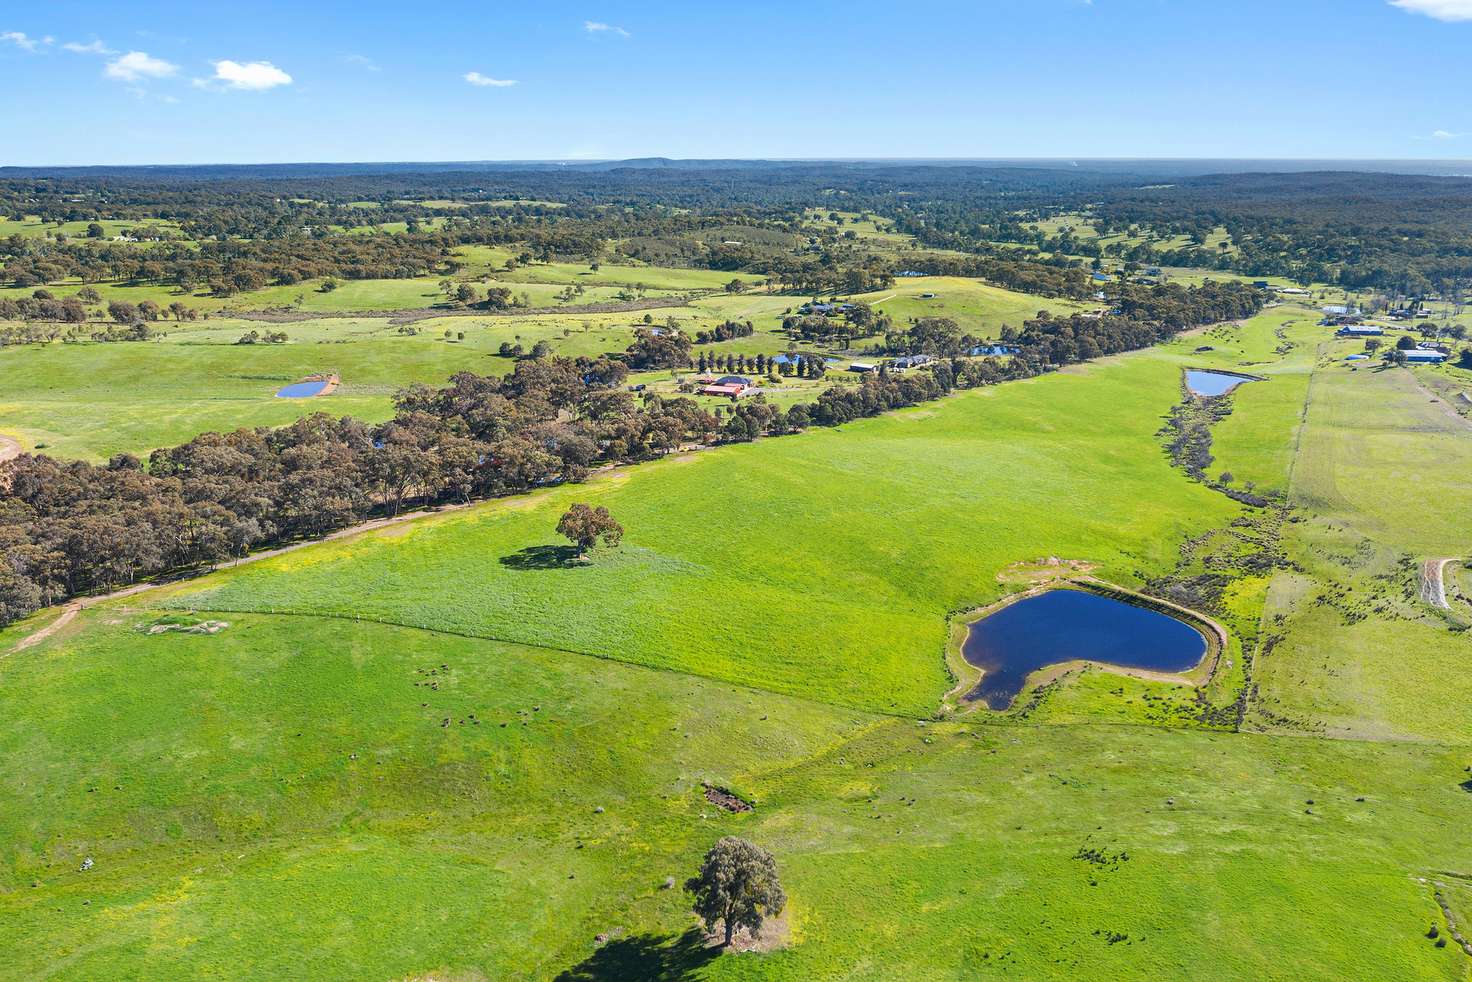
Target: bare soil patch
column 774, row 934
column 722, row 798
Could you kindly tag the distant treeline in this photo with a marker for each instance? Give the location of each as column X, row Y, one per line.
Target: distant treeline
column 68, row 528
column 1404, row 233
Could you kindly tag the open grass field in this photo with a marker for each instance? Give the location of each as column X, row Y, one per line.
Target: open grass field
column 1378, row 479
column 774, row 624
column 483, row 266
column 92, row 400
column 978, row 308
column 350, row 295
column 1082, row 228
column 302, row 772
column 32, row 227
column 883, row 527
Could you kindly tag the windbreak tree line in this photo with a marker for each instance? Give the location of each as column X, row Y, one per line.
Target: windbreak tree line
column 68, row 528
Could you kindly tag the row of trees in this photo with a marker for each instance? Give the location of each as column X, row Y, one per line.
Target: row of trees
column 41, row 305
column 72, row 527
column 1138, row 313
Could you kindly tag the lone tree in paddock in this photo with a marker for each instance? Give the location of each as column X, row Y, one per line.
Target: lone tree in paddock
column 737, row 885
column 584, row 525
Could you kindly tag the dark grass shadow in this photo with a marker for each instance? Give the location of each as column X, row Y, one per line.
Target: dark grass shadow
column 543, row 557
column 646, row 957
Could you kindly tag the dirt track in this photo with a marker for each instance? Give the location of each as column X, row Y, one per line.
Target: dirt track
column 1447, row 408
column 74, row 607
column 409, row 315
column 9, row 449
column 1433, row 582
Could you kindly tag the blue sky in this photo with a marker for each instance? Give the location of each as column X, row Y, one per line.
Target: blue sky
column 166, row 81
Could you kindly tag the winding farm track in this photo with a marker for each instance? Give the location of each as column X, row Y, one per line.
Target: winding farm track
column 74, row 607
column 1433, row 582
column 1433, row 571
column 1447, row 408
column 9, row 449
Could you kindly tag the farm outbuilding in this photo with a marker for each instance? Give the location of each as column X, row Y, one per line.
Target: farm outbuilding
column 1421, row 356
column 725, row 391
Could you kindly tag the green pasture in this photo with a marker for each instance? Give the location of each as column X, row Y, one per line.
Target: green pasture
column 465, row 759
column 92, row 400
column 32, row 227
column 1379, row 484
column 978, row 308
column 541, row 283
column 883, row 527
column 1082, row 228
column 452, row 807
column 491, row 260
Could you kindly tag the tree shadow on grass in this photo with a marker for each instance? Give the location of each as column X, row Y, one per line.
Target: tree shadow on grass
column 543, row 557
column 649, row 957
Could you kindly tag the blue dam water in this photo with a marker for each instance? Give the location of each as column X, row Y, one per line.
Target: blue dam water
column 1204, row 383
column 301, row 390
column 1073, row 625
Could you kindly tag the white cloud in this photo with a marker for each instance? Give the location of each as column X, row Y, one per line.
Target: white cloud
column 598, row 27
column 1446, row 135
column 24, row 41
column 1449, row 10
column 362, row 61
column 137, row 65
column 254, row 76
column 476, row 78
column 90, row 48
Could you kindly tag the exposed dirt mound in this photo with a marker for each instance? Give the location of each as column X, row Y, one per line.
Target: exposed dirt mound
column 725, row 799
column 186, row 626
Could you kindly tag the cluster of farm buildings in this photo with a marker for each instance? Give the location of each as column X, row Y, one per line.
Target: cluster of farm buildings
column 1349, row 325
